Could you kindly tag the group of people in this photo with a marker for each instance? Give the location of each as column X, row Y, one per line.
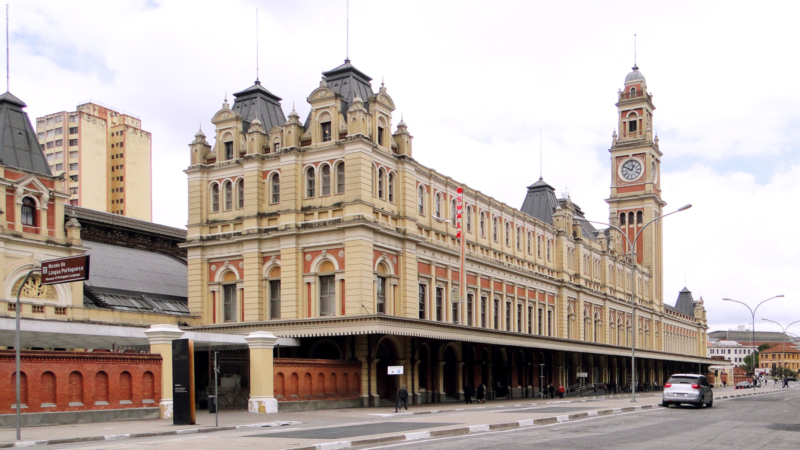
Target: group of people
column 480, row 394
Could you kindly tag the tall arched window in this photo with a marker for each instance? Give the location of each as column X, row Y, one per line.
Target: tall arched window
column 215, row 198
column 240, row 194
column 340, row 178
column 483, row 224
column 469, row 219
column 549, row 248
column 381, row 178
column 28, row 212
column 453, row 211
column 633, row 92
column 421, row 200
column 519, row 238
column 326, row 180
column 622, row 219
column 529, row 243
column 228, row 196
column 539, row 246
column 310, row 183
column 390, row 188
column 276, row 188
column 494, row 229
column 508, row 234
column 639, row 218
column 438, row 209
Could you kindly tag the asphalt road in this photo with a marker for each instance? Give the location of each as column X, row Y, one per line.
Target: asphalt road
column 770, row 421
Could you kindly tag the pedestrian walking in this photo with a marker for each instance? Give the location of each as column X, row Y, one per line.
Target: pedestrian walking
column 468, row 394
column 402, row 398
column 551, row 390
column 481, row 395
column 561, row 391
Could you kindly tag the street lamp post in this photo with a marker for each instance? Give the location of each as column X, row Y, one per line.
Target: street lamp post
column 753, row 330
column 632, row 263
column 784, row 328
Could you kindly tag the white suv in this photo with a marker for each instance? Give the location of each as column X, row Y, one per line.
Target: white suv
column 687, row 388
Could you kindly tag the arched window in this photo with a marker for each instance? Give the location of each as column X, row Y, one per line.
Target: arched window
column 519, row 238
column 639, row 218
column 469, row 219
column 549, row 248
column 28, row 212
column 483, row 224
column 390, row 188
column 453, row 211
column 421, row 200
column 633, row 92
column 494, row 229
column 276, row 188
column 438, row 209
column 381, row 178
column 340, row 178
column 529, row 243
column 539, row 246
column 240, row 193
column 630, row 218
column 215, row 198
column 508, row 233
column 228, row 196
column 326, row 180
column 310, row 183
column 622, row 219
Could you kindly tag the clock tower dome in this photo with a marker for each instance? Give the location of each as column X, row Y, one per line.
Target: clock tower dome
column 635, row 183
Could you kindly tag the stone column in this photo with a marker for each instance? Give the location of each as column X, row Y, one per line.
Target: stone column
column 161, row 337
column 460, row 385
column 262, row 399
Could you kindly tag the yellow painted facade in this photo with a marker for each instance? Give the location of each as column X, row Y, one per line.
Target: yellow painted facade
column 303, row 225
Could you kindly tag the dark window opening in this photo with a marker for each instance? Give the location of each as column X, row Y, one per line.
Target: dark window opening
column 382, row 295
column 380, row 136
column 275, row 299
column 229, row 299
column 632, row 126
column 28, row 212
column 229, row 150
column 439, row 295
column 421, row 301
column 326, row 131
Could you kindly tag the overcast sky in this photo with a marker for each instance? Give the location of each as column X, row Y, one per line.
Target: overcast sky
column 476, row 81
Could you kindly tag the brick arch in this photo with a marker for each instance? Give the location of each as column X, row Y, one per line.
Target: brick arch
column 148, row 386
column 75, row 393
column 101, row 387
column 125, row 387
column 47, row 389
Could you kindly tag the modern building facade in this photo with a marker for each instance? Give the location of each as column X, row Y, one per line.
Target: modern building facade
column 329, row 231
column 733, row 351
column 105, row 157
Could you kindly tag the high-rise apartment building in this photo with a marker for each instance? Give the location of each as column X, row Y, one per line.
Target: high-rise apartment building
column 105, row 157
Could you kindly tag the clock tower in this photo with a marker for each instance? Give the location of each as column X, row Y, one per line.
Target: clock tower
column 635, row 183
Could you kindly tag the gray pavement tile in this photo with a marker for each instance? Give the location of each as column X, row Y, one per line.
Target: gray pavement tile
column 354, row 431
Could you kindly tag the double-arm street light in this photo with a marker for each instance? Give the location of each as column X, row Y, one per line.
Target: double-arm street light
column 632, row 263
column 753, row 330
column 784, row 328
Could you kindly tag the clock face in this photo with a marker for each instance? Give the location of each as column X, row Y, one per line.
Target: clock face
column 631, row 169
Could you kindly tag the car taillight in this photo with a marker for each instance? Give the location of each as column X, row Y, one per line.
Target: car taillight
column 695, row 386
column 667, row 385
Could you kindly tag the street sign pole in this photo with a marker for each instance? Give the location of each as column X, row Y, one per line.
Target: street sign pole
column 54, row 271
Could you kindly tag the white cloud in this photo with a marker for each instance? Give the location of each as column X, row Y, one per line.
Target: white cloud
column 476, row 81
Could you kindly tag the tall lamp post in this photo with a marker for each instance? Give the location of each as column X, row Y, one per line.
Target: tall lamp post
column 784, row 328
column 632, row 263
column 753, row 330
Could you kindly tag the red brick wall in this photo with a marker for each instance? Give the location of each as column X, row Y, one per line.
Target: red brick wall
column 316, row 379
column 123, row 380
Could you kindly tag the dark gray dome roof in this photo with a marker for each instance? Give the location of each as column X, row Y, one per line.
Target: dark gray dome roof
column 634, row 76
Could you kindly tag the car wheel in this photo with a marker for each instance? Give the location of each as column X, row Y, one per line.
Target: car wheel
column 665, row 404
column 711, row 403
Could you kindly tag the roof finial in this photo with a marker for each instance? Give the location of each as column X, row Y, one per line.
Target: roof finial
column 381, row 80
column 257, row 82
column 635, row 67
column 347, row 43
column 8, row 71
column 541, row 164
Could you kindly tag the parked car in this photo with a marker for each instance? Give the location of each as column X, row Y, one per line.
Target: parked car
column 687, row 388
column 791, row 378
column 743, row 385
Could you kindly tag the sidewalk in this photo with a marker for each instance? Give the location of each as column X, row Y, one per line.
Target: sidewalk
column 491, row 414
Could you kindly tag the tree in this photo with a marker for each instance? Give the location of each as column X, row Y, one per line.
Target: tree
column 763, row 347
column 748, row 363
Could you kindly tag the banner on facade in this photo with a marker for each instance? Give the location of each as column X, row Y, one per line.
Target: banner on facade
column 65, row 270
column 395, row 370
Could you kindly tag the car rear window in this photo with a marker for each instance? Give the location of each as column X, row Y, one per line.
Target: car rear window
column 683, row 380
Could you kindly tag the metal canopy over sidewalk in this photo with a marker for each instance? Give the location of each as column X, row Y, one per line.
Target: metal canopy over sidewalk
column 59, row 334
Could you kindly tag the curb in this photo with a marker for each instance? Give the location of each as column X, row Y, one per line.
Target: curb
column 477, row 429
column 370, row 441
column 117, row 437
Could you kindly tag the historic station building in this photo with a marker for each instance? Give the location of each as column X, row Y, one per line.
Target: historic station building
column 329, row 231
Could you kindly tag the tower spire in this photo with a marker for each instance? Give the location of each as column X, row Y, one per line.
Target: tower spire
column 541, row 168
column 8, row 70
column 257, row 82
column 635, row 66
column 347, row 40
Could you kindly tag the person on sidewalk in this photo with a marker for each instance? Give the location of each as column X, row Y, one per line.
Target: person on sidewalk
column 481, row 396
column 561, row 391
column 402, row 398
column 551, row 390
column 468, row 394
